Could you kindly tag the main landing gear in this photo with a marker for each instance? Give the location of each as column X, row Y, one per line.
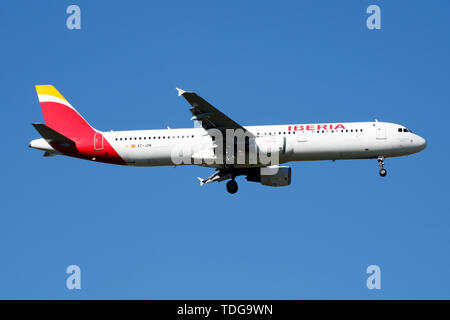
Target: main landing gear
column 232, row 186
column 225, row 174
column 383, row 171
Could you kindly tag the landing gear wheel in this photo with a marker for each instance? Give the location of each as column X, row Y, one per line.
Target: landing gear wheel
column 383, row 171
column 232, row 186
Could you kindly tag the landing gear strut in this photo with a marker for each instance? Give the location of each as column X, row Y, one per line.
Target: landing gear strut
column 232, row 186
column 383, row 171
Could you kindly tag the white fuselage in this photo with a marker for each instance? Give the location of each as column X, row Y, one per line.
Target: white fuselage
column 256, row 152
column 329, row 141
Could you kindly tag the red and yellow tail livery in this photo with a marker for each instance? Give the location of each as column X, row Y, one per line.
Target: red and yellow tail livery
column 62, row 120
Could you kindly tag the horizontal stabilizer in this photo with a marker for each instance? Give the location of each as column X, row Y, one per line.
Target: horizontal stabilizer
column 50, row 135
column 49, row 154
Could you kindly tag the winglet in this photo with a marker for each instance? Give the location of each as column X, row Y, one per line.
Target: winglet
column 201, row 181
column 180, row 91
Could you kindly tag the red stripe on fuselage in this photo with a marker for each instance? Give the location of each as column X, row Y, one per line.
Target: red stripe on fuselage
column 86, row 151
column 69, row 123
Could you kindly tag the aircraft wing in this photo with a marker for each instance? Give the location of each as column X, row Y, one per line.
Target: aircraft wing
column 209, row 116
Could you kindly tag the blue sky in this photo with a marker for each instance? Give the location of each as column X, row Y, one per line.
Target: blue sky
column 153, row 233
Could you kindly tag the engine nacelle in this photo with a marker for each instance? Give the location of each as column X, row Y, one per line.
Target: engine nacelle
column 274, row 176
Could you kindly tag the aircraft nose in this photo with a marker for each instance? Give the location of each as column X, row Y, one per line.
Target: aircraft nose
column 421, row 143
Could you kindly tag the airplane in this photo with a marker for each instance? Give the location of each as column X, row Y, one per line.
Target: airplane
column 66, row 132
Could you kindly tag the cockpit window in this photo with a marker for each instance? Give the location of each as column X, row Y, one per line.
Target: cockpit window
column 399, row 129
column 405, row 130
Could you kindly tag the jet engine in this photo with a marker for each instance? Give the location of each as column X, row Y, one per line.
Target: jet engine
column 274, row 176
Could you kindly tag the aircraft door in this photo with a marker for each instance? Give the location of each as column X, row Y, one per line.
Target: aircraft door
column 98, row 141
column 380, row 131
column 301, row 136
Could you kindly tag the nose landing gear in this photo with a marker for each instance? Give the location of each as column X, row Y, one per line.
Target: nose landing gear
column 383, row 171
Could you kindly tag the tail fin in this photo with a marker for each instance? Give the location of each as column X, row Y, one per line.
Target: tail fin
column 61, row 116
